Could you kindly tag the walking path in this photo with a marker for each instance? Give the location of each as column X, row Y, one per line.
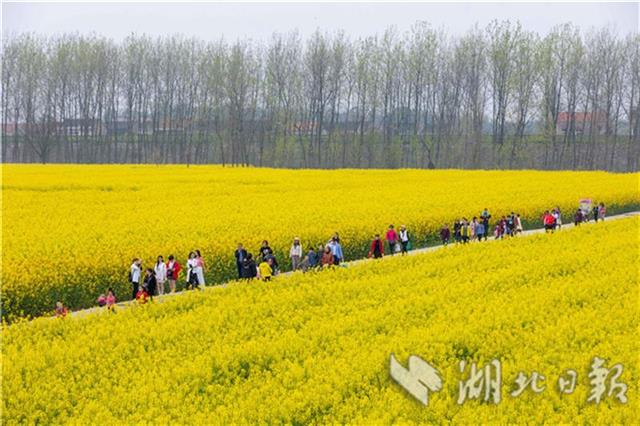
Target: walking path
column 122, row 305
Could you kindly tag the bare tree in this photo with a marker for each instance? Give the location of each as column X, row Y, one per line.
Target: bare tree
column 418, row 99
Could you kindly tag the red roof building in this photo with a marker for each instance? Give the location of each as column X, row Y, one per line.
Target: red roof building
column 582, row 122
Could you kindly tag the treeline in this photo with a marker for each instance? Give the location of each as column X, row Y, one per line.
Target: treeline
column 496, row 97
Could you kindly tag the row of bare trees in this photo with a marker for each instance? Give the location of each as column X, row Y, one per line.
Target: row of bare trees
column 495, row 97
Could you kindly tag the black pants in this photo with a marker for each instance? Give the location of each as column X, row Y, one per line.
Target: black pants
column 193, row 280
column 392, row 246
column 135, row 288
column 239, row 265
column 405, row 244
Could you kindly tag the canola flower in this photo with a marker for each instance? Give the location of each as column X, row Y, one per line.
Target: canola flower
column 314, row 348
column 71, row 231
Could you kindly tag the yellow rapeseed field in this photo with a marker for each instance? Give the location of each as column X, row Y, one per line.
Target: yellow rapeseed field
column 315, row 347
column 70, row 231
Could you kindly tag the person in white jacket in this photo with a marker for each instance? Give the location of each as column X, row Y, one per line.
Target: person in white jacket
column 161, row 274
column 199, row 270
column 295, row 253
column 192, row 277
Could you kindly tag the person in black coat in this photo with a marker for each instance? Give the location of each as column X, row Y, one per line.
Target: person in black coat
column 249, row 269
column 150, row 283
column 265, row 250
column 267, row 253
column 241, row 255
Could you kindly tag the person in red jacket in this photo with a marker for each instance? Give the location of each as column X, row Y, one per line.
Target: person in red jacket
column 392, row 239
column 549, row 221
column 377, row 248
column 173, row 269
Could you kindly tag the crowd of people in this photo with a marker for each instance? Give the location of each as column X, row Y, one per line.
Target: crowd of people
column 266, row 266
column 598, row 212
column 321, row 256
column 479, row 228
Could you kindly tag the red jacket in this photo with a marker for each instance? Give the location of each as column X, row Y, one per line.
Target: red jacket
column 176, row 270
column 548, row 219
column 373, row 247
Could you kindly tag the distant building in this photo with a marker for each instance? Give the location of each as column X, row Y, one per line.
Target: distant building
column 582, row 122
column 48, row 128
column 82, row 127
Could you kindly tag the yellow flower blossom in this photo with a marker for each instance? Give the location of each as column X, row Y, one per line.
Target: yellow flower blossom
column 314, row 348
column 71, row 231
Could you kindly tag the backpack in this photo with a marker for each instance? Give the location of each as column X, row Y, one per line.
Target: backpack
column 130, row 277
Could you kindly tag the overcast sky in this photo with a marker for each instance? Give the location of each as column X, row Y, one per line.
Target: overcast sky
column 259, row 20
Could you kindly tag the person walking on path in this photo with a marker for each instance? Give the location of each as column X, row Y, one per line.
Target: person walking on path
column 596, row 212
column 295, row 253
column 602, row 211
column 199, row 269
column 472, row 228
column 249, row 269
column 192, row 277
column 405, row 240
column 548, row 221
column 485, row 222
column 511, row 223
column 240, row 255
column 465, row 231
column 377, row 248
column 558, row 217
column 578, row 217
column 134, row 276
column 161, row 274
column 518, row 223
column 392, row 239
column 173, row 271
column 456, row 231
column 336, row 251
column 479, row 231
column 445, row 234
